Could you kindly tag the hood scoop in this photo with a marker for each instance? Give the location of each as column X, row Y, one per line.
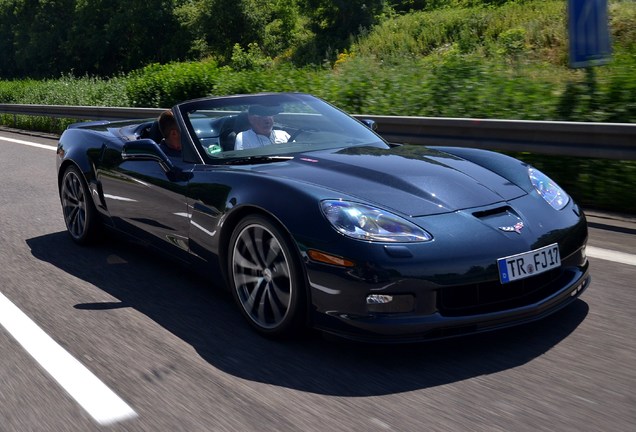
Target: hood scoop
column 503, row 218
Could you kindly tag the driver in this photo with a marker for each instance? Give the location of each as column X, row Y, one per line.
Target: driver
column 171, row 142
column 262, row 132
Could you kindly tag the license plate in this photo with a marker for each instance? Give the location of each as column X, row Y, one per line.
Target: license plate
column 523, row 265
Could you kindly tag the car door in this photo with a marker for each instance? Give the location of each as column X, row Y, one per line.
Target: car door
column 209, row 192
column 148, row 201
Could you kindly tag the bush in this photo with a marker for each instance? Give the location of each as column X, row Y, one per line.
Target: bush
column 67, row 90
column 162, row 86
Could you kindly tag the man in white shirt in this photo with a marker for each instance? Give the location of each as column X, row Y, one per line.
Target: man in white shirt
column 262, row 130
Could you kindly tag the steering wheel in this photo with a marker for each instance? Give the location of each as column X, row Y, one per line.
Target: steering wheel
column 300, row 131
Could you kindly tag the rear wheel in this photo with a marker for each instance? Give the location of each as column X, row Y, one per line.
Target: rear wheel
column 80, row 215
column 265, row 278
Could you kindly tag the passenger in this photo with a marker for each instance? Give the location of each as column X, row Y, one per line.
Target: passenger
column 171, row 142
column 262, row 132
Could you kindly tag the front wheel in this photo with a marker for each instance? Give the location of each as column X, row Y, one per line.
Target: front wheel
column 265, row 278
column 80, row 215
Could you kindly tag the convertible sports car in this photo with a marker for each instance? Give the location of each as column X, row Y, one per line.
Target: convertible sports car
column 329, row 226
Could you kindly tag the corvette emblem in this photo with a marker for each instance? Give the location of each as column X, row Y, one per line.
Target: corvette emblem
column 515, row 228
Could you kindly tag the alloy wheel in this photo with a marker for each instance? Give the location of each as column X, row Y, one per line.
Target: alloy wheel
column 261, row 270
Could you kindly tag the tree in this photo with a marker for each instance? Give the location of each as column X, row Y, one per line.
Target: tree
column 39, row 30
column 43, row 38
column 118, row 36
column 7, row 40
column 218, row 26
column 335, row 22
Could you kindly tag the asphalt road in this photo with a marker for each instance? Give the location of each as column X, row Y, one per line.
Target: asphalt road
column 128, row 342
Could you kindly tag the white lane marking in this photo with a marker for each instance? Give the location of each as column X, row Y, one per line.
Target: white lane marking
column 29, row 143
column 610, row 255
column 89, row 392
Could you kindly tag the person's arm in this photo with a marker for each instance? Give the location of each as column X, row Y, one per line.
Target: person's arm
column 238, row 143
column 280, row 136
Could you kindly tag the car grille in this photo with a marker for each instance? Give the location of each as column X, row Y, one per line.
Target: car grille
column 493, row 296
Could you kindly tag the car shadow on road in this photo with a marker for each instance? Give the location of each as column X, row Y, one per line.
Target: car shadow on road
column 208, row 320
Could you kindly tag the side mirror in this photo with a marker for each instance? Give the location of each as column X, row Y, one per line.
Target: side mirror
column 371, row 124
column 146, row 150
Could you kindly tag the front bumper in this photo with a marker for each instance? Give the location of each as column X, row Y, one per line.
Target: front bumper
column 410, row 328
column 429, row 321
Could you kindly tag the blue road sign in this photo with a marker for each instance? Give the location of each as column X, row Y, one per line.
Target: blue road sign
column 588, row 29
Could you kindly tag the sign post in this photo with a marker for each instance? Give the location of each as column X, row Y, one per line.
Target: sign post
column 588, row 30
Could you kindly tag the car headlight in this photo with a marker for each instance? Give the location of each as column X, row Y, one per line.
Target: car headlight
column 548, row 189
column 368, row 223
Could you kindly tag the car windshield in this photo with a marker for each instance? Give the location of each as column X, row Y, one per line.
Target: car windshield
column 256, row 126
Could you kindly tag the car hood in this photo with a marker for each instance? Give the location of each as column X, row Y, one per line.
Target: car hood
column 414, row 180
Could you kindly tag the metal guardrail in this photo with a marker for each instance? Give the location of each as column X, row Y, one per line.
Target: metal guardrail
column 80, row 112
column 594, row 140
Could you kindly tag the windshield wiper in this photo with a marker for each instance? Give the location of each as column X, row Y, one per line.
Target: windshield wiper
column 258, row 159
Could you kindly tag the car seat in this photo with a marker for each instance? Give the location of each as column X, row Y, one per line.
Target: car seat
column 233, row 125
column 154, row 133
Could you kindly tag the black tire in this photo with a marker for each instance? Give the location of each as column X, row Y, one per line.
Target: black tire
column 80, row 214
column 265, row 278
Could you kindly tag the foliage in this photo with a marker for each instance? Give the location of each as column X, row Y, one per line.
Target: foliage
column 334, row 22
column 46, row 38
column 102, row 37
column 513, row 42
column 66, row 90
column 218, row 27
column 164, row 85
column 107, row 37
column 451, row 58
column 536, row 27
column 220, row 24
column 406, row 6
column 253, row 58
